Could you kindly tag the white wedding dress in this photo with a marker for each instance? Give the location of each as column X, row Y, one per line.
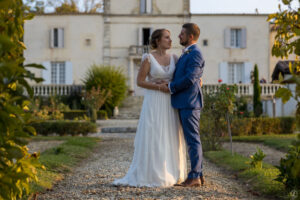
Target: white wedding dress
column 159, row 158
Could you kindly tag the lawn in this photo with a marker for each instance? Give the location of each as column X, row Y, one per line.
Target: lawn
column 261, row 181
column 61, row 159
column 279, row 142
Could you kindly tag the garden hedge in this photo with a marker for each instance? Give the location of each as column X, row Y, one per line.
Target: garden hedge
column 101, row 114
column 64, row 127
column 263, row 126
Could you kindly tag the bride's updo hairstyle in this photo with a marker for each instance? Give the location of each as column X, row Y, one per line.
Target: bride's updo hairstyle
column 155, row 37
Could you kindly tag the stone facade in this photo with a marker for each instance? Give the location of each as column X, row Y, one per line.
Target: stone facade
column 118, row 37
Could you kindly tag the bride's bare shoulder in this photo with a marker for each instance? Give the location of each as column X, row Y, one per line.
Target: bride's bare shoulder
column 175, row 57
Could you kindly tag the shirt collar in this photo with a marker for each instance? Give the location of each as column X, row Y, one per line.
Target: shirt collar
column 187, row 48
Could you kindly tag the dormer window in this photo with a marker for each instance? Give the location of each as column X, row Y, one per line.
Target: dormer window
column 146, row 6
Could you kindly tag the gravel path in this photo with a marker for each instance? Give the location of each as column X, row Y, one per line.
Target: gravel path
column 92, row 180
column 246, row 149
column 40, row 146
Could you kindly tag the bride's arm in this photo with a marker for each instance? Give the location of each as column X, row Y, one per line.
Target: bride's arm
column 141, row 77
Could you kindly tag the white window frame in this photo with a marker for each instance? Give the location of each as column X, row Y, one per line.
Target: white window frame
column 58, row 73
column 236, row 71
column 235, row 38
column 145, row 6
column 57, row 38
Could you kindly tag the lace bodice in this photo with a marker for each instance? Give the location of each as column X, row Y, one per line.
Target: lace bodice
column 159, row 72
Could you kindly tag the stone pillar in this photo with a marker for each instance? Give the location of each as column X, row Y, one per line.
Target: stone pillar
column 106, row 39
column 131, row 76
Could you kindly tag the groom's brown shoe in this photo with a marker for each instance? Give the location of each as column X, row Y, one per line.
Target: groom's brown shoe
column 202, row 180
column 191, row 182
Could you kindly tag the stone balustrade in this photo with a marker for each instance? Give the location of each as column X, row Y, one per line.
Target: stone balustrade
column 268, row 90
column 138, row 50
column 60, row 90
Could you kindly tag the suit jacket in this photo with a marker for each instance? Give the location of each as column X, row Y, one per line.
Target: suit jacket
column 185, row 86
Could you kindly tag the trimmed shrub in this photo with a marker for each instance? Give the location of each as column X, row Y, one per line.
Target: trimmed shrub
column 263, row 126
column 72, row 114
column 288, row 124
column 64, row 127
column 108, row 78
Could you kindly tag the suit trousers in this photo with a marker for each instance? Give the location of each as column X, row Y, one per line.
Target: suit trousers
column 190, row 123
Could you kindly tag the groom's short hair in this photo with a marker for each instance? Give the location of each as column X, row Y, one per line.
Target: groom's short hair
column 192, row 29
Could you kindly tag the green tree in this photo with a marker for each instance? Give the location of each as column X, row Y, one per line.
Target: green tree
column 67, row 7
column 257, row 105
column 17, row 166
column 287, row 42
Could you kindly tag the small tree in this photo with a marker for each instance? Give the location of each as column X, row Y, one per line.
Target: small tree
column 94, row 99
column 219, row 105
column 287, row 42
column 257, row 105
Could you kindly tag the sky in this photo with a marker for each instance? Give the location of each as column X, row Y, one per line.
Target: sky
column 237, row 6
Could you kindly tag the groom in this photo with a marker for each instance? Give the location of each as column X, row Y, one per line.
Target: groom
column 188, row 99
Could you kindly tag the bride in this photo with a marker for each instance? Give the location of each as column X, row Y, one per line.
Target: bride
column 159, row 158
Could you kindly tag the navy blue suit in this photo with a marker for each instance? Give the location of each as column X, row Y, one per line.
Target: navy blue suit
column 188, row 99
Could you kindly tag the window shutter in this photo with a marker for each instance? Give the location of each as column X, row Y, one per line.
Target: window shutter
column 140, row 36
column 61, row 38
column 142, row 6
column 244, row 38
column 248, row 67
column 69, row 73
column 149, row 6
column 223, row 72
column 227, row 38
column 51, row 42
column 46, row 73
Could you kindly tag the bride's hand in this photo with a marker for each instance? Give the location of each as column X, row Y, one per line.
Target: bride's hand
column 163, row 88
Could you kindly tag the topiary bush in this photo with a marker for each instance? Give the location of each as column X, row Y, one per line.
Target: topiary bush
column 108, row 78
column 257, row 104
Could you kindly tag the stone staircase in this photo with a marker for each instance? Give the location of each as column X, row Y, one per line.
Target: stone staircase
column 130, row 108
column 127, row 120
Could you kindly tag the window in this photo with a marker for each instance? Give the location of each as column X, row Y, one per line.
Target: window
column 57, row 38
column 235, row 72
column 146, row 6
column 144, row 34
column 235, row 38
column 88, row 42
column 58, row 73
column 205, row 42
